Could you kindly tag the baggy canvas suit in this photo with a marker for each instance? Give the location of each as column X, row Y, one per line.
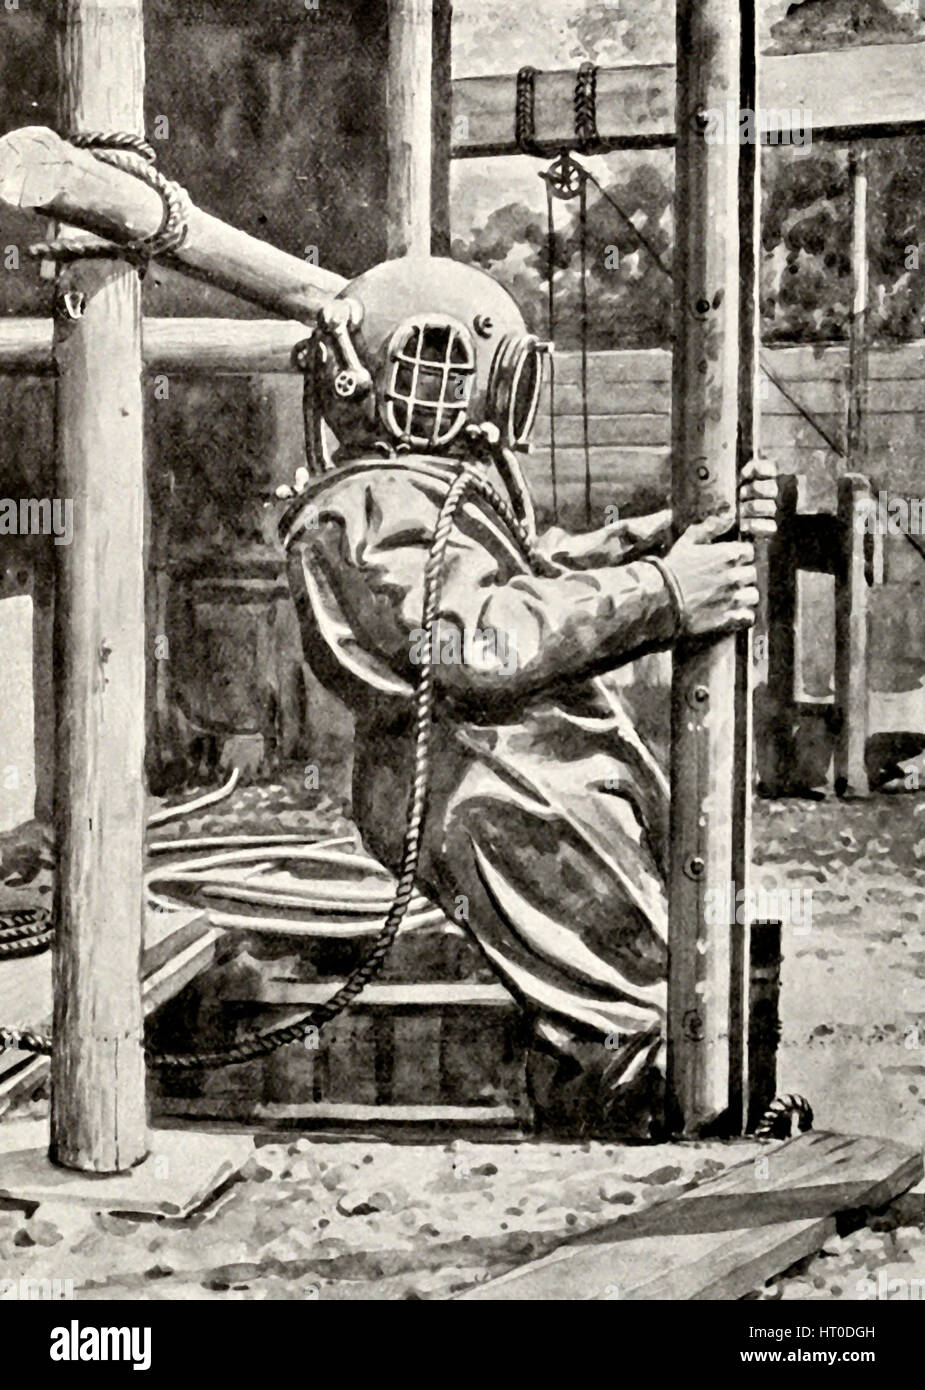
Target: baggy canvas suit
column 547, row 816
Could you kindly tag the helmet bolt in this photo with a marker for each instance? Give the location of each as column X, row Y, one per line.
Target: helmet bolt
column 483, row 325
column 345, row 383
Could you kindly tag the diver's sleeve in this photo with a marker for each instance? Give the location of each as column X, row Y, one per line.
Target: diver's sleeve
column 609, row 545
column 501, row 631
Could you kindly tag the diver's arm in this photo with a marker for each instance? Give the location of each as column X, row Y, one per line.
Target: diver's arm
column 620, row 541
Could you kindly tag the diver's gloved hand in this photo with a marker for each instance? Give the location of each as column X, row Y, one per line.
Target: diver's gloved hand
column 715, row 582
column 758, row 497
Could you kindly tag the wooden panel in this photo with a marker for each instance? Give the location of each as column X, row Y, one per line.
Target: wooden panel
column 727, row 1235
column 873, row 90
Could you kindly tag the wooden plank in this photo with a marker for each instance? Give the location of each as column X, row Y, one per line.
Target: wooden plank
column 175, row 974
column 243, row 1108
column 621, row 381
column 409, row 127
column 724, row 1265
column 98, row 1115
column 214, row 347
column 713, row 246
column 42, row 172
column 187, row 346
column 874, row 91
column 440, row 995
column 725, row 1236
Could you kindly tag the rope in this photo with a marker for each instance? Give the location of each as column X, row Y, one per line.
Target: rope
column 586, row 132
column 133, row 155
column 777, row 1120
column 585, row 428
column 551, row 335
column 24, row 932
column 525, row 112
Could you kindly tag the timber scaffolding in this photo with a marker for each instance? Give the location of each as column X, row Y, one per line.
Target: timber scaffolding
column 99, row 347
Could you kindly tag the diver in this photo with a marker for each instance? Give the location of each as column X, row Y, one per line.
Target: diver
column 546, row 814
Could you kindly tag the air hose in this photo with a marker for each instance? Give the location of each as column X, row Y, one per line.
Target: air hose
column 260, row 1044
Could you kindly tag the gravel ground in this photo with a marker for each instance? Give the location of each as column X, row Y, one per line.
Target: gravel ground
column 379, row 1220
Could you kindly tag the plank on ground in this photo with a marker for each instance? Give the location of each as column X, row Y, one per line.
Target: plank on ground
column 721, row 1238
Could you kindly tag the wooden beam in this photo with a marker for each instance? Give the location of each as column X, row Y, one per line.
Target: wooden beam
column 98, row 1115
column 409, row 129
column 188, row 346
column 724, row 1237
column 42, row 172
column 875, row 91
column 706, row 733
column 206, row 347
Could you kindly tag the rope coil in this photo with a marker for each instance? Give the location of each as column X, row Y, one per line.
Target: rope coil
column 133, row 155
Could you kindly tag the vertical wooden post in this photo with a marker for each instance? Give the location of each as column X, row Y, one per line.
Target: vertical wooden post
column 749, row 219
column 851, row 618
column 98, row 1120
column 707, row 685
column 441, row 127
column 853, row 499
column 409, row 127
column 782, row 645
column 857, row 345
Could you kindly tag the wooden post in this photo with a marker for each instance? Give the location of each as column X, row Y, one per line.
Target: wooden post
column 857, row 344
column 749, row 340
column 853, row 493
column 851, row 617
column 98, row 1119
column 409, row 127
column 707, row 686
column 441, row 127
column 782, row 644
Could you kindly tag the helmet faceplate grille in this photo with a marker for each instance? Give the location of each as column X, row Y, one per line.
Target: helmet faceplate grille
column 430, row 377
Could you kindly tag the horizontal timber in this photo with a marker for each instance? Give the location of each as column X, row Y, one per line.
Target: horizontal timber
column 193, row 346
column 870, row 91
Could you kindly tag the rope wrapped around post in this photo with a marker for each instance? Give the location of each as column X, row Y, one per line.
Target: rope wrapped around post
column 133, row 155
column 525, row 112
column 586, row 132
